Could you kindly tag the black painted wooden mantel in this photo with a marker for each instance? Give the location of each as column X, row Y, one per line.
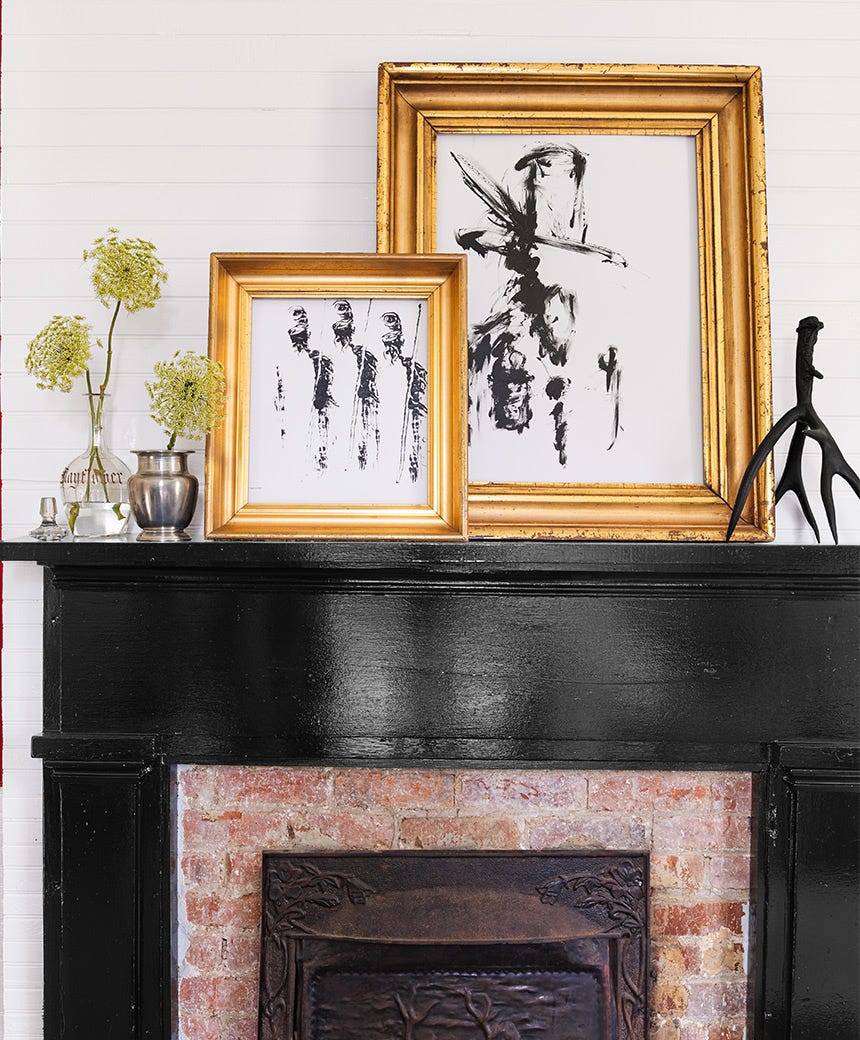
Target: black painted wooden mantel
column 493, row 653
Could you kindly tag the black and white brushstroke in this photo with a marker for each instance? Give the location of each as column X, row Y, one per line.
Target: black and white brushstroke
column 582, row 250
column 338, row 409
column 611, row 365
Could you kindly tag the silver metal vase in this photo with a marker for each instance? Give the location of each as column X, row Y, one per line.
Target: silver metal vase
column 163, row 495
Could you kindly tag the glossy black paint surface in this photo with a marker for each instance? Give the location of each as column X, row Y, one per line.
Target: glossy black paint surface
column 811, row 934
column 523, row 653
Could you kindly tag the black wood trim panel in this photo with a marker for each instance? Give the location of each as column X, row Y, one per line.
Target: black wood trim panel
column 810, row 889
column 106, row 903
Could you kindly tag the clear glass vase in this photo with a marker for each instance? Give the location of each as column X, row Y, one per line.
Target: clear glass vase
column 95, row 484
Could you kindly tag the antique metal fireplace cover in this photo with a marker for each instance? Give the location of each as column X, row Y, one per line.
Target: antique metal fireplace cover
column 460, row 946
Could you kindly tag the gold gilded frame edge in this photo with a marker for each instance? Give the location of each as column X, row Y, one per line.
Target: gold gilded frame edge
column 721, row 107
column 235, row 280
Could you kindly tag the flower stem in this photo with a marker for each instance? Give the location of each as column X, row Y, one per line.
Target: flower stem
column 110, row 346
column 172, row 441
column 95, row 457
column 97, row 413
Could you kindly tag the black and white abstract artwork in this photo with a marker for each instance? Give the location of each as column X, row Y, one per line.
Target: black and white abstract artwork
column 338, row 401
column 584, row 317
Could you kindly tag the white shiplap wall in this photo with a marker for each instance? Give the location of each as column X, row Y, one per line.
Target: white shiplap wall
column 218, row 125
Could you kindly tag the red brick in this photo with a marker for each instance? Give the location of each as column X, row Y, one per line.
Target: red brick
column 199, row 1027
column 694, row 1031
column 203, row 869
column 523, row 791
column 700, row 919
column 357, row 831
column 394, row 789
column 691, row 949
column 241, row 995
column 732, row 873
column 679, row 792
column 243, row 871
column 685, row 871
column 204, row 951
column 243, row 1027
column 668, row 963
column 664, row 1030
column 718, row 832
column 229, row 828
column 272, row 785
column 728, row 1031
column 197, row 993
column 669, row 1000
column 611, row 791
column 712, row 999
column 601, row 832
column 459, row 832
column 197, row 783
column 243, row 954
column 721, row 954
column 207, row 910
column 732, row 792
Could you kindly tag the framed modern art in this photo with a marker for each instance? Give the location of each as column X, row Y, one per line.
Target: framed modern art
column 615, row 228
column 345, row 377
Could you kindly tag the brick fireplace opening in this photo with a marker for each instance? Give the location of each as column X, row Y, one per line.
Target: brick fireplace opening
column 697, row 827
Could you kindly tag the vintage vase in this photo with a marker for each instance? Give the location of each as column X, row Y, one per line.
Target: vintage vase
column 95, row 484
column 163, row 495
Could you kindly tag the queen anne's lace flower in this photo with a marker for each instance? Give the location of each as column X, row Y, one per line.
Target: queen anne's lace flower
column 187, row 397
column 59, row 353
column 126, row 269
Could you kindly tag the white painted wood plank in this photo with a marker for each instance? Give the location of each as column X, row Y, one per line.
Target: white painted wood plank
column 813, row 169
column 815, row 245
column 358, row 50
column 814, row 207
column 822, row 132
column 391, row 18
column 216, row 164
column 145, row 127
column 182, row 240
column 130, row 203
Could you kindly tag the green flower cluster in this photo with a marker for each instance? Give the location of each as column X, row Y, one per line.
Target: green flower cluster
column 126, row 270
column 59, row 353
column 188, row 396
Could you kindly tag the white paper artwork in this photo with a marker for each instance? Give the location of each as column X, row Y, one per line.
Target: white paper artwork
column 338, row 401
column 584, row 329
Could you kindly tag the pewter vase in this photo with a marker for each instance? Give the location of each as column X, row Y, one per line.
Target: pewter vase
column 163, row 495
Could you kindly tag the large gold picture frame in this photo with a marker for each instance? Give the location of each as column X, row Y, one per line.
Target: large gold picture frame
column 284, row 288
column 719, row 107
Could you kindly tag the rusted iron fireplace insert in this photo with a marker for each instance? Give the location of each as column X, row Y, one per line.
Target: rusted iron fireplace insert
column 453, row 945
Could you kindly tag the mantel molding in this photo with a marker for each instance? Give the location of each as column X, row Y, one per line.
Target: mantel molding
column 659, row 560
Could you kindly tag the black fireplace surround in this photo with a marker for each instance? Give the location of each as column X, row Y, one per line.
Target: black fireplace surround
column 579, row 655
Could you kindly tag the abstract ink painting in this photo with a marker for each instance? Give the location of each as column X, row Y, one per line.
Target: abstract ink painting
column 346, row 390
column 582, row 263
column 345, row 381
column 615, row 226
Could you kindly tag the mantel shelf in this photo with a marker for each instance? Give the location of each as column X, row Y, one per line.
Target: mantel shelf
column 615, row 559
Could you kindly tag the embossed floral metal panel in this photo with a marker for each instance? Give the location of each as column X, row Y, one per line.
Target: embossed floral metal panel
column 424, row 945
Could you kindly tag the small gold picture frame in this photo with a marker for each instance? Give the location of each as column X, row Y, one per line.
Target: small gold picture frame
column 670, row 217
column 345, row 388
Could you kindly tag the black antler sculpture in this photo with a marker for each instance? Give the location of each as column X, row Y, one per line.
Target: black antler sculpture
column 808, row 424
